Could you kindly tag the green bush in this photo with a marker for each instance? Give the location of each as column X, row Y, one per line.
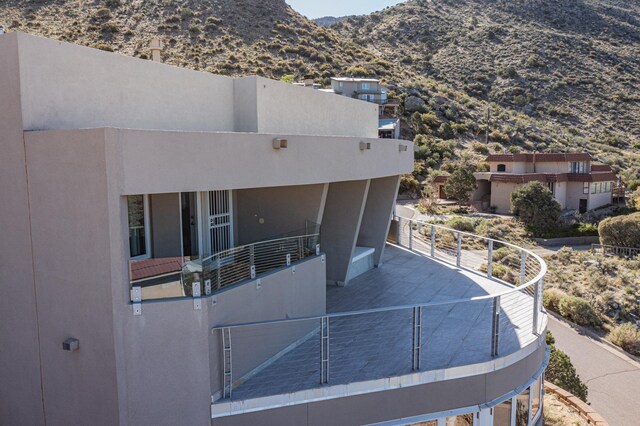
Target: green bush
column 461, row 224
column 536, row 207
column 561, row 371
column 627, row 336
column 578, row 310
column 623, row 231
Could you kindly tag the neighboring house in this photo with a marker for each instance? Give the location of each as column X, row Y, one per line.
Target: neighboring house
column 178, row 247
column 575, row 182
column 370, row 90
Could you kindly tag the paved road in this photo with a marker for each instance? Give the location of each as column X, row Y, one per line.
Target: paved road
column 612, row 377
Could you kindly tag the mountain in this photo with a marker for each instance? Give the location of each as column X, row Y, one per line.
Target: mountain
column 555, row 76
column 325, row 21
column 568, row 70
column 231, row 37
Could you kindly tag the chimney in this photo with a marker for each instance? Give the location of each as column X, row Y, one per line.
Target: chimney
column 156, row 47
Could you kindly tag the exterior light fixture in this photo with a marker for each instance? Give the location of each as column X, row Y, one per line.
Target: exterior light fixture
column 71, row 344
column 279, row 143
column 365, row 146
column 402, row 148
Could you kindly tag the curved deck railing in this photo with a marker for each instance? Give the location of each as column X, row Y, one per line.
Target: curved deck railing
column 370, row 344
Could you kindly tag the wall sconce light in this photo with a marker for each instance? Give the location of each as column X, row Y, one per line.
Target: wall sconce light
column 402, row 148
column 365, row 145
column 71, row 344
column 279, row 143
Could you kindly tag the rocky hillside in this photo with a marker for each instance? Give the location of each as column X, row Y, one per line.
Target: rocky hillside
column 556, row 75
column 559, row 75
column 232, row 37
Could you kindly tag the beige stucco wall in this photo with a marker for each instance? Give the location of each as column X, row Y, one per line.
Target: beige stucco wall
column 573, row 195
column 501, row 196
column 285, row 108
column 20, row 390
column 598, row 200
column 561, row 193
column 156, row 162
column 94, row 88
column 65, row 86
column 263, row 213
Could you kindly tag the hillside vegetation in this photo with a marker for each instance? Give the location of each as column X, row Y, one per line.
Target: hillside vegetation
column 557, row 76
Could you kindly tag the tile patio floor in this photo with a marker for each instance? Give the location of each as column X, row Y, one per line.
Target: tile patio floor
column 379, row 345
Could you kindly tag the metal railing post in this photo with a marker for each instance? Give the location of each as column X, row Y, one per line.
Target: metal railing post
column 417, row 338
column 536, row 306
column 495, row 327
column 218, row 279
column 398, row 231
column 433, row 241
column 523, row 266
column 300, row 249
column 410, row 235
column 459, row 249
column 490, row 260
column 324, row 350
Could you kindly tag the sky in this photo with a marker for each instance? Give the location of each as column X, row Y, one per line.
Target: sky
column 318, row 8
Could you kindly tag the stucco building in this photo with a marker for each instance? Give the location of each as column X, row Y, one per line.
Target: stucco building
column 574, row 180
column 178, row 247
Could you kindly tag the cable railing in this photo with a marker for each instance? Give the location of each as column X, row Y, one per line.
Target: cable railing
column 245, row 262
column 370, row 344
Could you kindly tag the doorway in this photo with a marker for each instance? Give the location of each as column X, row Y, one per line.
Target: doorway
column 583, row 206
column 189, row 206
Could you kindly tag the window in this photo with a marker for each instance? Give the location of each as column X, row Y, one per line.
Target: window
column 220, row 226
column 585, row 187
column 535, row 397
column 601, row 187
column 365, row 86
column 577, row 167
column 502, row 414
column 502, row 168
column 138, row 212
column 552, row 187
column 522, row 408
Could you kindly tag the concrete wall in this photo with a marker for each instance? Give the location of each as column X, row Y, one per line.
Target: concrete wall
column 285, row 108
column 65, row 86
column 381, row 199
column 166, row 237
column 72, row 263
column 400, row 403
column 20, row 392
column 158, row 162
column 501, row 195
column 281, row 294
column 341, row 226
column 264, row 213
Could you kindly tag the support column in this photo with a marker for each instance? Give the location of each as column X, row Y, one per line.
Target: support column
column 377, row 214
column 343, row 212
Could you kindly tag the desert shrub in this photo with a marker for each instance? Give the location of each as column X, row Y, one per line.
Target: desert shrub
column 578, row 310
column 461, row 224
column 561, row 371
column 627, row 336
column 501, row 253
column 535, row 205
column 480, row 148
column 504, row 273
column 551, row 299
column 621, row 231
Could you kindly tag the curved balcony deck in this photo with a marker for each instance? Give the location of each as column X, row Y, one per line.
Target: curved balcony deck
column 373, row 327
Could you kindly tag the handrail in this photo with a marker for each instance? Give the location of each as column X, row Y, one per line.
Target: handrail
column 231, row 250
column 536, row 279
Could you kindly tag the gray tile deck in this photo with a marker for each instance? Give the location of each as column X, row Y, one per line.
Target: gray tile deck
column 379, row 345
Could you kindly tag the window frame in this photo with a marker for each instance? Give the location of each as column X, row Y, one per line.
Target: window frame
column 585, row 187
column 501, row 166
column 146, row 226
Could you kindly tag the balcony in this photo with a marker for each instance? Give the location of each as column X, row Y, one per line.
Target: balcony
column 445, row 304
